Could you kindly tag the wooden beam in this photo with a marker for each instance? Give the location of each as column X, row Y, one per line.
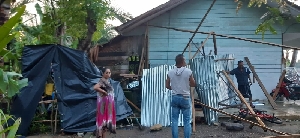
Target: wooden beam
column 215, row 44
column 193, row 102
column 147, row 49
column 228, row 36
column 199, row 48
column 284, row 136
column 243, row 99
column 279, row 84
column 140, row 70
column 131, row 103
column 270, row 99
column 202, row 20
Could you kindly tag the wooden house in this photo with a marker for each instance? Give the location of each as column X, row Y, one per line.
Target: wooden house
column 163, row 32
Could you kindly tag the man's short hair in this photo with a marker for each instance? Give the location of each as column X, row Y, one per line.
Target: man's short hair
column 179, row 58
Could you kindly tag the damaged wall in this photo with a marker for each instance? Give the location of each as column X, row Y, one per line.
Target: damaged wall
column 156, row 99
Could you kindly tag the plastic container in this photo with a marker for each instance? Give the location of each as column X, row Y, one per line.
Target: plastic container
column 49, row 89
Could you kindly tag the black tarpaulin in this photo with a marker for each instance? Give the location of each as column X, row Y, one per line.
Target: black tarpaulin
column 123, row 110
column 74, row 77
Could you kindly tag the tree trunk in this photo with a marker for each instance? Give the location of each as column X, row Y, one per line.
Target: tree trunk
column 4, row 11
column 294, row 58
column 84, row 44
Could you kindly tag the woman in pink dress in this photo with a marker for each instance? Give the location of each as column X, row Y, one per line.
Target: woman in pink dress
column 106, row 114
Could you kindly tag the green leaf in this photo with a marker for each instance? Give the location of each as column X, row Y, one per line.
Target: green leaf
column 9, row 24
column 39, row 11
column 23, row 83
column 14, row 128
column 6, row 40
column 3, row 84
column 13, row 88
column 8, row 54
column 298, row 18
column 12, row 74
column 272, row 30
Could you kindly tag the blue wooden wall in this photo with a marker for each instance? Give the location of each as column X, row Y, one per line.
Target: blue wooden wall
column 165, row 44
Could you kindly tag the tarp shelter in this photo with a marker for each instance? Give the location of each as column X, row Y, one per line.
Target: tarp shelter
column 74, row 77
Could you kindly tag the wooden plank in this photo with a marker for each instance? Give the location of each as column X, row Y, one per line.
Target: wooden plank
column 284, row 136
column 113, row 58
column 270, row 99
column 253, row 78
column 192, row 97
column 242, row 98
column 199, row 49
column 143, row 51
column 215, row 45
column 107, row 54
column 279, row 84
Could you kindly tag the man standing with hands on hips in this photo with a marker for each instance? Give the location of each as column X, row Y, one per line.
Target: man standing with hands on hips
column 179, row 80
column 242, row 75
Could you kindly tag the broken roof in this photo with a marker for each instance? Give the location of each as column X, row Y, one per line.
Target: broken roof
column 161, row 9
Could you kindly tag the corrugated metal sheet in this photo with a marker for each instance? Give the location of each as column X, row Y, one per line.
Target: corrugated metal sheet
column 210, row 87
column 165, row 44
column 156, row 99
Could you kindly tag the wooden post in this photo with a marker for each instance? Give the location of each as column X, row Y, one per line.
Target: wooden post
column 143, row 52
column 192, row 97
column 243, row 99
column 253, row 78
column 199, row 48
column 279, row 84
column 270, row 99
column 215, row 44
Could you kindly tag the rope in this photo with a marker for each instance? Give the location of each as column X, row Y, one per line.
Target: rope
column 228, row 36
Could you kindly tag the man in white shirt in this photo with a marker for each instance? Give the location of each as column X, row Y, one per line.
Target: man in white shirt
column 179, row 80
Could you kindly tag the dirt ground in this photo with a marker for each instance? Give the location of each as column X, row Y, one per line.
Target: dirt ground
column 202, row 131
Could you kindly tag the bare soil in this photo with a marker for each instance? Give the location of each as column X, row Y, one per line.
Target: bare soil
column 202, row 131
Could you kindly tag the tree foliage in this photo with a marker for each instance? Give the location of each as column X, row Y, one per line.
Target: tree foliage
column 59, row 23
column 10, row 81
column 275, row 15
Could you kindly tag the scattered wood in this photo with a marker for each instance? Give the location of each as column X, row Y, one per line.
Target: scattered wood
column 243, row 99
column 279, row 84
column 270, row 99
column 133, row 105
column 284, row 136
column 242, row 119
